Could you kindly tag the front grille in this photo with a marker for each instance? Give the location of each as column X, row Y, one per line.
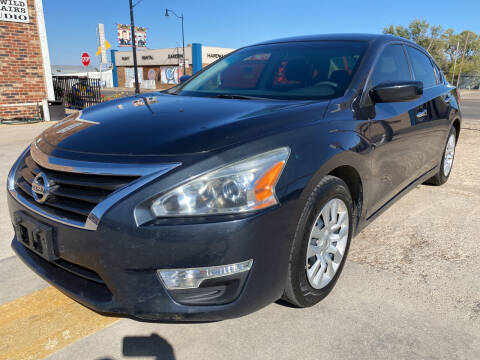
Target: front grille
column 73, row 195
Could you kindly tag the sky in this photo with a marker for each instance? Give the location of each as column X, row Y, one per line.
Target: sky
column 71, row 25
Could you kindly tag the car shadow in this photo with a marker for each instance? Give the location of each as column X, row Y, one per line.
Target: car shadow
column 146, row 346
column 153, row 345
column 284, row 303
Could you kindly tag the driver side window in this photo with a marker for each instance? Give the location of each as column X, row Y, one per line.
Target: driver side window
column 391, row 66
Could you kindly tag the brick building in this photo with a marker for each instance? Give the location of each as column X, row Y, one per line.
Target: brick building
column 25, row 74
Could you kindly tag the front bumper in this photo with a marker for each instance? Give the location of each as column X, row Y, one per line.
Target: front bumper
column 113, row 269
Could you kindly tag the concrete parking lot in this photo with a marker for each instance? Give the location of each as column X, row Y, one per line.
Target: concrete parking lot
column 410, row 290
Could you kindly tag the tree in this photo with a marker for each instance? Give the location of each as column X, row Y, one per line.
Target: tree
column 452, row 51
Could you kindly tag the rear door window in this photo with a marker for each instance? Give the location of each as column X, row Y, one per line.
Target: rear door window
column 422, row 67
column 391, row 66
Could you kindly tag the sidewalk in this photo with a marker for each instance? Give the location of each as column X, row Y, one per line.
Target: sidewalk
column 470, row 94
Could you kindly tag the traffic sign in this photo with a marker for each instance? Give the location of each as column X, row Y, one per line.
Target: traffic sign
column 85, row 59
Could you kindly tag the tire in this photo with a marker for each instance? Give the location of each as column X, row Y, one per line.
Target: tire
column 442, row 175
column 301, row 289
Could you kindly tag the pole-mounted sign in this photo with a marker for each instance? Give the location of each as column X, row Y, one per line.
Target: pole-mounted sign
column 103, row 46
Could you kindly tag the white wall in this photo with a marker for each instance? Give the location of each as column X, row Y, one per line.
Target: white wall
column 211, row 53
column 107, row 76
column 166, row 56
column 153, row 57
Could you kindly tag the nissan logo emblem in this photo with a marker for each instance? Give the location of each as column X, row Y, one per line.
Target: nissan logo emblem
column 41, row 188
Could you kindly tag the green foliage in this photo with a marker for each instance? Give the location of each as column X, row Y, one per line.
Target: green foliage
column 445, row 46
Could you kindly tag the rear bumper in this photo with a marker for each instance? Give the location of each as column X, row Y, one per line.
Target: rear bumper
column 113, row 270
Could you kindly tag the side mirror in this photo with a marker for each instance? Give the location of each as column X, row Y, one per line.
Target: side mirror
column 397, row 91
column 184, row 78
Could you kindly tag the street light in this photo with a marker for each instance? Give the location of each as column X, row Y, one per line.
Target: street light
column 183, row 37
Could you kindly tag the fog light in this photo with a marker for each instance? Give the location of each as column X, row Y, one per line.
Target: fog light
column 192, row 278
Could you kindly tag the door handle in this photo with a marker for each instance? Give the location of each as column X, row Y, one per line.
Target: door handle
column 422, row 114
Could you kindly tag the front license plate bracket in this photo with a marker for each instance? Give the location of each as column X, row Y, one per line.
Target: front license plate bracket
column 35, row 235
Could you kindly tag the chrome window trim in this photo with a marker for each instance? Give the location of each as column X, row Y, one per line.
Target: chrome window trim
column 98, row 211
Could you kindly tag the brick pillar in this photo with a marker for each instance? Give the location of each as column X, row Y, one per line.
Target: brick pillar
column 22, row 79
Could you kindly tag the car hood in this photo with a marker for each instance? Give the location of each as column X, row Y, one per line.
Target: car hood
column 161, row 124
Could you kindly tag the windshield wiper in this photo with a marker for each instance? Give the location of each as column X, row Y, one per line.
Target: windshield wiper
column 241, row 97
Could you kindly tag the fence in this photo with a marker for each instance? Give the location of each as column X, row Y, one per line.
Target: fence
column 469, row 82
column 76, row 92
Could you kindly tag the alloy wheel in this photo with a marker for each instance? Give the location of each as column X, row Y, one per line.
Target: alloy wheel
column 449, row 155
column 327, row 243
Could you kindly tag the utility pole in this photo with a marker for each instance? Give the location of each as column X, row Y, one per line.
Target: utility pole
column 178, row 57
column 455, row 62
column 183, row 47
column 134, row 47
column 463, row 57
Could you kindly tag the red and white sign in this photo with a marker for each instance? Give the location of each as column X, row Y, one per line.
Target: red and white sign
column 85, row 59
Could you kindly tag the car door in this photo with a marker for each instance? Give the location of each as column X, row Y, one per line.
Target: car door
column 432, row 115
column 393, row 132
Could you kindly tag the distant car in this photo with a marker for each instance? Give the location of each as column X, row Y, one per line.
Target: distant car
column 242, row 185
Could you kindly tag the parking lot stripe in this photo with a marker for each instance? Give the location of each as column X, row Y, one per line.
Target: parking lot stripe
column 41, row 323
column 18, row 279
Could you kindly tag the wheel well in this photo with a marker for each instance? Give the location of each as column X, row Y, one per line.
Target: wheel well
column 456, row 125
column 354, row 182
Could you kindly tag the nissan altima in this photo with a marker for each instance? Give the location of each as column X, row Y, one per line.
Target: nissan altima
column 242, row 185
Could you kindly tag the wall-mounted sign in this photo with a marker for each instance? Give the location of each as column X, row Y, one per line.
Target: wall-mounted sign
column 152, row 74
column 14, row 10
column 212, row 53
column 175, row 56
column 169, row 75
column 215, row 56
column 147, row 57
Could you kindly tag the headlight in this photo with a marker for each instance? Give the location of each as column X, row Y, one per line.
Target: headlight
column 239, row 187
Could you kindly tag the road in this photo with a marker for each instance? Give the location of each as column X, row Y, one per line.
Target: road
column 471, row 109
column 410, row 290
column 111, row 92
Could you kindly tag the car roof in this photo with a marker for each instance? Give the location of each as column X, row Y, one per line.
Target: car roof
column 338, row 37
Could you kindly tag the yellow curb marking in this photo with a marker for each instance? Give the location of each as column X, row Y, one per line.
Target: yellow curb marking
column 39, row 324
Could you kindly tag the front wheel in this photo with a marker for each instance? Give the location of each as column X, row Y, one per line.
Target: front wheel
column 448, row 156
column 321, row 243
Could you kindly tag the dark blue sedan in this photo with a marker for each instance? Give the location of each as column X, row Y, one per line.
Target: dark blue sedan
column 242, row 185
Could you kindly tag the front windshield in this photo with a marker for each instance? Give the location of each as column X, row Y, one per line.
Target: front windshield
column 294, row 70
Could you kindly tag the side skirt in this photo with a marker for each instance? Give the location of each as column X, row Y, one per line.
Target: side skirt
column 420, row 180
